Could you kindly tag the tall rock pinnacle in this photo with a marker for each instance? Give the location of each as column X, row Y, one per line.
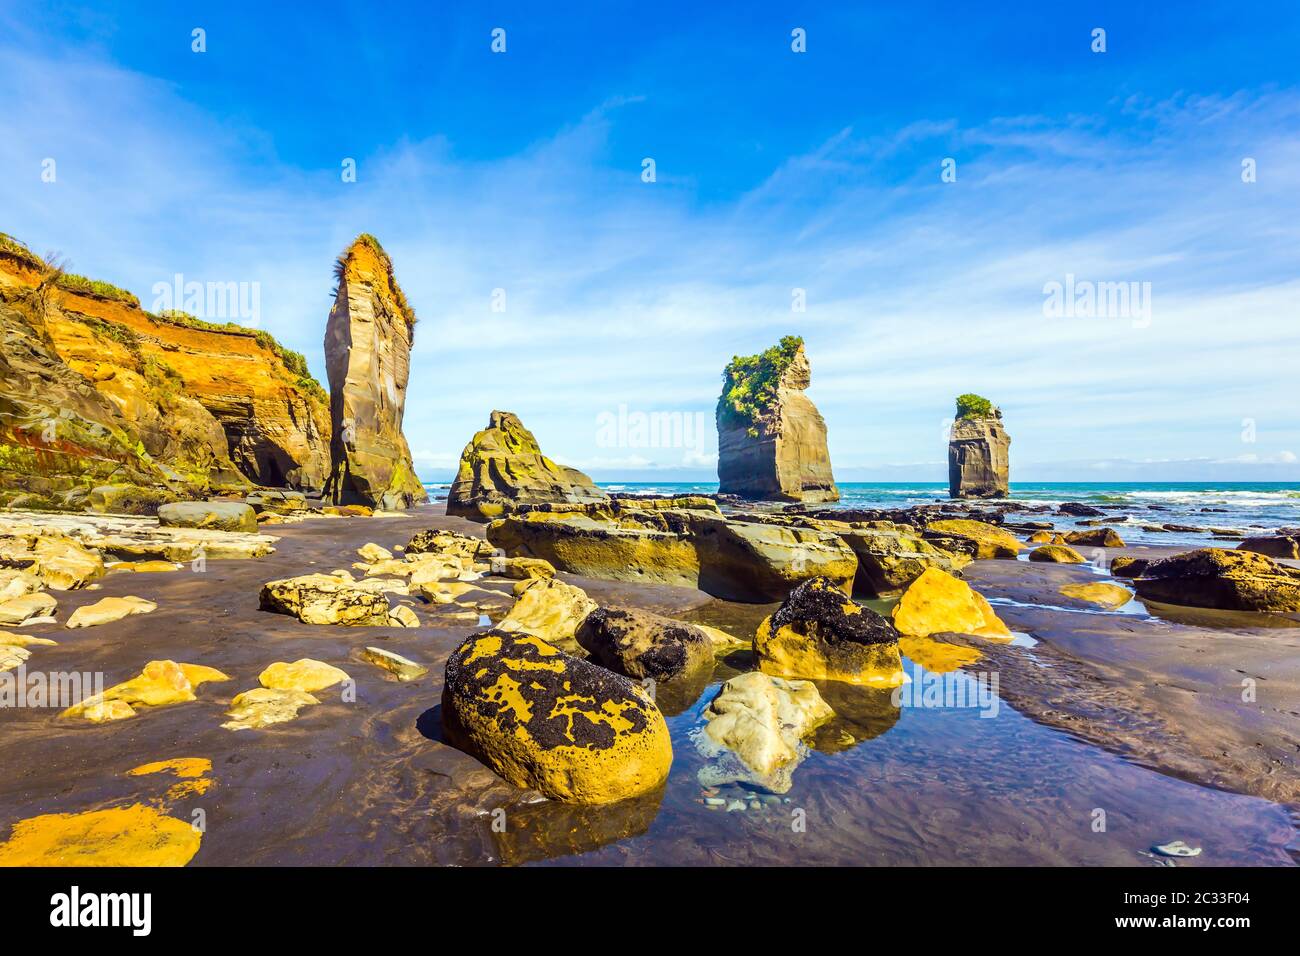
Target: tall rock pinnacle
column 367, row 357
column 771, row 438
column 978, row 464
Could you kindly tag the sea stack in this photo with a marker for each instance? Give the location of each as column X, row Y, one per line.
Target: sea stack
column 977, row 450
column 368, row 358
column 771, row 438
column 503, row 466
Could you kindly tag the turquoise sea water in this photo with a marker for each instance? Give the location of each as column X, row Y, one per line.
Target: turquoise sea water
column 1251, row 507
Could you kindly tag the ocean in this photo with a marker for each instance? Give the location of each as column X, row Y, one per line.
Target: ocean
column 1249, row 507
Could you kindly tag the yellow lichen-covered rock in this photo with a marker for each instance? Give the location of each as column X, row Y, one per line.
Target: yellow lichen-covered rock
column 1041, row 537
column 136, row 835
column 548, row 608
column 990, row 540
column 938, row 603
column 1218, row 578
column 1098, row 592
column 159, row 684
column 395, row 664
column 325, row 599
column 820, row 634
column 1056, row 554
column 15, row 583
column 147, row 567
column 523, row 568
column 1095, row 538
column 264, row 706
column 371, row 552
column 544, row 720
column 305, row 675
column 109, row 609
column 937, row 656
column 25, row 607
column 403, row 616
column 12, row 656
column 64, row 564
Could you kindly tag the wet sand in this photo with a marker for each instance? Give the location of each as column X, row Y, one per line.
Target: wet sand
column 371, row 782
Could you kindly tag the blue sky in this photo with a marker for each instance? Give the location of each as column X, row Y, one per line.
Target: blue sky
column 775, row 171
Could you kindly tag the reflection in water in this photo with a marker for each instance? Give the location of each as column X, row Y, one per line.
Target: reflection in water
column 538, row 831
column 912, row 785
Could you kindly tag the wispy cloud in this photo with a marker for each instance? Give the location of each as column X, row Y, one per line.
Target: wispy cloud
column 620, row 292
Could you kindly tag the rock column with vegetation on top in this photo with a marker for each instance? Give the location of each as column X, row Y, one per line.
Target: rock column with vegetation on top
column 503, row 466
column 771, row 438
column 367, row 356
column 977, row 450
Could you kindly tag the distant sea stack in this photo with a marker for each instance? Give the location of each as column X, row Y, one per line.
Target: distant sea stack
column 771, row 438
column 503, row 466
column 977, row 450
column 368, row 359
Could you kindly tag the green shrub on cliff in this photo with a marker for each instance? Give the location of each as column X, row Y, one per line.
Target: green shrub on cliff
column 105, row 290
column 971, row 405
column 378, row 249
column 749, row 382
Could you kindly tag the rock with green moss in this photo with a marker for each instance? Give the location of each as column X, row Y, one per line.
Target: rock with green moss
column 503, row 467
column 978, row 461
column 771, row 438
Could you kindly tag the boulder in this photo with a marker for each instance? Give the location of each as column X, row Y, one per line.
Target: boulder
column 448, row 544
column 57, row 560
column 128, row 499
column 771, row 438
column 218, row 515
column 1128, row 567
column 890, row 559
column 641, row 644
column 522, row 569
column 820, row 634
column 1041, row 537
column 1080, row 510
column 938, row 603
column 1274, row 546
column 978, row 446
column 760, row 722
column 1218, row 578
column 368, row 343
column 395, row 664
column 109, row 609
column 736, row 560
column 25, row 607
column 1057, row 554
column 1098, row 592
column 305, row 674
column 571, row 730
column 325, row 599
column 371, row 552
column 403, row 616
column 1095, row 538
column 15, row 583
column 503, row 467
column 989, row 540
column 548, row 608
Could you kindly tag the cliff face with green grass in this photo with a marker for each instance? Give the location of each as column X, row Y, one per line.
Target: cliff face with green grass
column 771, row 438
column 185, row 405
column 368, row 359
column 978, row 450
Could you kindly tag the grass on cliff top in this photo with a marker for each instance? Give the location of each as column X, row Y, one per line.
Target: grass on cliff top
column 340, row 265
column 104, row 290
column 971, row 405
column 18, row 249
column 749, row 382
